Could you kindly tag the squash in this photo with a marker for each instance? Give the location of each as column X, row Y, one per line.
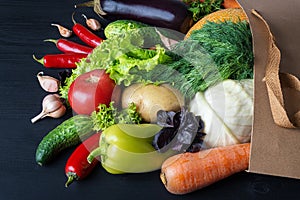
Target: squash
column 232, row 14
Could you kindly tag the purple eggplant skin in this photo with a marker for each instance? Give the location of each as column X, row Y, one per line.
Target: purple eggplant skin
column 171, row 14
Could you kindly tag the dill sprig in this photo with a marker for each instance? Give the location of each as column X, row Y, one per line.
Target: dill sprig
column 216, row 52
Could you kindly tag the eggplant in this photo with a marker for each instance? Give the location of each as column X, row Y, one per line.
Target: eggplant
column 171, row 14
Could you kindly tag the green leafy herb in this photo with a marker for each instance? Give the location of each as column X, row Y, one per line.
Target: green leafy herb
column 216, row 52
column 201, row 8
column 181, row 131
column 118, row 57
column 108, row 116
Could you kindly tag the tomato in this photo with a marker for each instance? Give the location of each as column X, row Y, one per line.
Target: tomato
column 89, row 90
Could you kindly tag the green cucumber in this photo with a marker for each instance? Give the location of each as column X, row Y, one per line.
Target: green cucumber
column 140, row 33
column 122, row 27
column 69, row 133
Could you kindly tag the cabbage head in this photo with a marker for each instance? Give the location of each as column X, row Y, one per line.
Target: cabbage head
column 227, row 111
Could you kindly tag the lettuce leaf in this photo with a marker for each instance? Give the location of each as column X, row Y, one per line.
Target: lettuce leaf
column 110, row 115
column 121, row 59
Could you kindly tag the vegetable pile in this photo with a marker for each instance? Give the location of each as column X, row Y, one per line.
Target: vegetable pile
column 149, row 94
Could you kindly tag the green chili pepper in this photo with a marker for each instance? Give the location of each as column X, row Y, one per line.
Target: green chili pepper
column 127, row 148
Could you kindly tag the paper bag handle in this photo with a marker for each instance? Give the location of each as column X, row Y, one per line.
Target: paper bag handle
column 275, row 81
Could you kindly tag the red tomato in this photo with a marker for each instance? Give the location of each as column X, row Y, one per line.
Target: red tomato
column 89, row 90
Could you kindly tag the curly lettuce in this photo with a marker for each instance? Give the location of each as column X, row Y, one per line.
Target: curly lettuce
column 120, row 58
column 110, row 115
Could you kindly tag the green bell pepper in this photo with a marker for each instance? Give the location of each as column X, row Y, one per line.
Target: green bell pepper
column 127, row 148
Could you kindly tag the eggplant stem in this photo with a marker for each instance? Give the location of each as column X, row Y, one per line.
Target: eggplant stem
column 98, row 8
column 85, row 4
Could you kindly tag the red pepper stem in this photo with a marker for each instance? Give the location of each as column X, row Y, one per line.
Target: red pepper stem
column 71, row 177
column 38, row 60
column 51, row 40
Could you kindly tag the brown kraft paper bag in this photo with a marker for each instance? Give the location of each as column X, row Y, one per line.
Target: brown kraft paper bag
column 275, row 142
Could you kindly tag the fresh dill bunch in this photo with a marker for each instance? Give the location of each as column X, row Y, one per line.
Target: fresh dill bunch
column 216, row 52
column 230, row 46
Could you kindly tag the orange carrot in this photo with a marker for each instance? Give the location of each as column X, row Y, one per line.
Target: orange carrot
column 187, row 172
column 231, row 4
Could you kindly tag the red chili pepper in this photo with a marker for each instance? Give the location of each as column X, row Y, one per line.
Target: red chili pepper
column 68, row 46
column 60, row 60
column 77, row 166
column 85, row 34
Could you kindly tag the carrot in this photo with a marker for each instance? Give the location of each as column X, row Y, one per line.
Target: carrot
column 231, row 4
column 187, row 172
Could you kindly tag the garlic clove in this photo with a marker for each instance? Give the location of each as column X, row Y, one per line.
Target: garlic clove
column 63, row 31
column 48, row 83
column 58, row 113
column 52, row 107
column 92, row 23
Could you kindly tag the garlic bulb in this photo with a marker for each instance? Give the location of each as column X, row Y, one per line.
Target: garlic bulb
column 52, row 107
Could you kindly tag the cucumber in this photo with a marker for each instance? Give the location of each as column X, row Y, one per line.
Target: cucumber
column 141, row 34
column 121, row 27
column 69, row 133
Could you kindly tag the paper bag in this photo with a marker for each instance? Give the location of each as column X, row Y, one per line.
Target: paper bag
column 275, row 148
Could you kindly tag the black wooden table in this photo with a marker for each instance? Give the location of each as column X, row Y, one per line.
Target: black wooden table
column 23, row 27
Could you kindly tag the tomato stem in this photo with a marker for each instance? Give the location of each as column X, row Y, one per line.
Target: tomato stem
column 93, row 79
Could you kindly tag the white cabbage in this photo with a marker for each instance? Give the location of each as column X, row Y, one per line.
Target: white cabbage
column 227, row 111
